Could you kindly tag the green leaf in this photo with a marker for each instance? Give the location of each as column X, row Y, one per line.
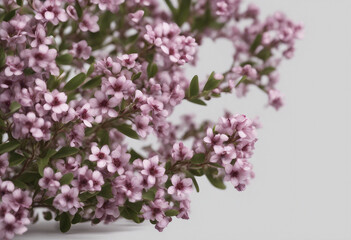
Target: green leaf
column 183, row 12
column 28, row 71
column 242, row 80
column 66, row 179
column 196, row 185
column 87, row 195
column 64, row 59
column 128, row 131
column 149, row 195
column 134, row 155
column 198, row 158
column 9, row 146
column 267, row 70
column 8, row 16
column 92, row 83
column 171, row 212
column 29, row 178
column 75, row 82
column 2, row 57
column 65, row 152
column 194, row 86
column 136, row 76
column 15, row 159
column 131, row 211
column 43, row 162
column 78, row 9
column 104, row 138
column 198, row 101
column 91, row 69
column 77, row 218
column 197, row 172
column 215, row 181
column 211, row 83
column 264, row 54
column 14, row 107
column 65, row 222
column 19, row 184
column 256, row 43
column 106, row 191
column 47, row 215
column 152, row 70
column 19, row 2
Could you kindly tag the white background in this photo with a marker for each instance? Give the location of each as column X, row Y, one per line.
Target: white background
column 302, row 187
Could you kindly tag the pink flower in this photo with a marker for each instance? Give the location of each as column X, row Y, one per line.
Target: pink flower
column 223, row 154
column 17, row 199
column 181, row 152
column 155, row 211
column 181, row 187
column 141, row 125
column 101, row 156
column 50, row 180
column 275, row 99
column 128, row 60
column 103, row 106
column 89, row 23
column 106, row 210
column 81, row 50
column 56, row 101
column 85, row 114
column 212, row 139
column 9, row 227
column 67, row 200
column 130, row 185
column 136, row 17
column 119, row 160
column 40, row 37
column 239, row 174
column 152, row 170
column 41, row 58
column 51, row 11
column 71, row 11
column 14, row 66
column 88, row 180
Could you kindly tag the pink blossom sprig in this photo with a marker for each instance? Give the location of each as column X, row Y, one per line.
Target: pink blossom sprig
column 78, row 77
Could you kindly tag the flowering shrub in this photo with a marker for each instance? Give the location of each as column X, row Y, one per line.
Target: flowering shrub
column 78, row 76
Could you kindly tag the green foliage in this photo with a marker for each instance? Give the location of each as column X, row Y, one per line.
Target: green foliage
column 65, row 222
column 211, row 83
column 92, row 83
column 152, row 70
column 256, row 43
column 64, row 59
column 9, row 146
column 66, row 179
column 15, row 159
column 171, row 212
column 75, row 82
column 216, row 181
column 14, row 107
column 267, row 70
column 2, row 57
column 194, row 87
column 183, row 11
column 65, row 152
column 106, row 191
column 128, row 131
column 43, row 162
column 149, row 195
column 198, row 158
column 131, row 211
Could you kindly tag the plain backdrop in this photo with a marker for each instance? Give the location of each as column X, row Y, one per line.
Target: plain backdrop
column 302, row 188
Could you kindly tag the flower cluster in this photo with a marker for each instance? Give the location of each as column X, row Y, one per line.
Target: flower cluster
column 78, row 78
